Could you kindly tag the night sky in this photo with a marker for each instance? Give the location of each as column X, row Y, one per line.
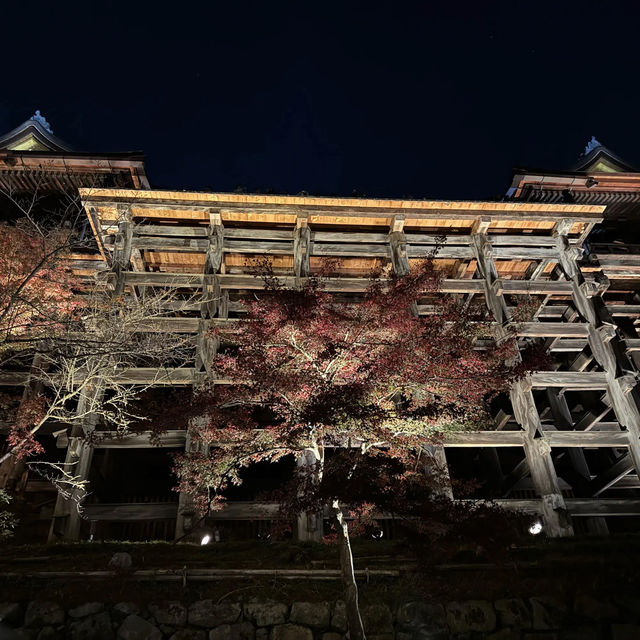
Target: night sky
column 424, row 100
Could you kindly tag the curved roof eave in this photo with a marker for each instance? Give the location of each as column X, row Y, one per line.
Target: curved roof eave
column 34, row 129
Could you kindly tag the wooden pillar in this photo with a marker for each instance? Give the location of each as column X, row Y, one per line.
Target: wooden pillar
column 122, row 249
column 399, row 257
column 440, row 469
column 398, row 247
column 309, row 526
column 211, row 305
column 214, row 304
column 186, row 517
column 536, row 449
column 301, row 247
column 66, row 520
column 538, row 456
column 67, row 517
column 563, row 420
column 13, row 469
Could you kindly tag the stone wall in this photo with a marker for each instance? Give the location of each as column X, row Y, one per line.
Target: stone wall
column 536, row 618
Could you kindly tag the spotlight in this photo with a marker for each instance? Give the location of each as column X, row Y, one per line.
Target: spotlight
column 535, row 528
column 205, row 539
column 378, row 535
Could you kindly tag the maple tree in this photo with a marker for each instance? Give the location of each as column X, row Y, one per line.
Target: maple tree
column 38, row 300
column 37, row 288
column 359, row 388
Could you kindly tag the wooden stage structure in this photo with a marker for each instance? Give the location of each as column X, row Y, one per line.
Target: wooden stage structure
column 565, row 444
column 497, row 254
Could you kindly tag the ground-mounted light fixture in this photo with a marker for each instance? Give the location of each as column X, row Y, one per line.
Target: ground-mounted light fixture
column 208, row 535
column 535, row 528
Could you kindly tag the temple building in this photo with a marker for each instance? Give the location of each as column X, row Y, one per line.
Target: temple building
column 32, row 158
column 565, row 443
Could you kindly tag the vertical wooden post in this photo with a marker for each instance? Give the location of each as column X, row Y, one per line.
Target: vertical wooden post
column 439, row 457
column 214, row 303
column 563, row 421
column 536, row 449
column 301, row 247
column 211, row 304
column 399, row 257
column 186, row 513
column 398, row 247
column 13, row 469
column 309, row 526
column 122, row 249
column 67, row 519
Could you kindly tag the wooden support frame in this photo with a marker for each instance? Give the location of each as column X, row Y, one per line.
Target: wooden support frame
column 192, row 225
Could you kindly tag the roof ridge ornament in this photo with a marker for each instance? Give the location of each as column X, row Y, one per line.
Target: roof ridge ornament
column 591, row 145
column 41, row 120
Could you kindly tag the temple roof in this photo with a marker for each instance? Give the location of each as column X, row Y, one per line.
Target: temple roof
column 32, row 158
column 600, row 177
column 34, row 134
column 598, row 159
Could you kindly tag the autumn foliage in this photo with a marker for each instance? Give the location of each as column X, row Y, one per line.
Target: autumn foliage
column 38, row 298
column 372, row 380
column 37, row 289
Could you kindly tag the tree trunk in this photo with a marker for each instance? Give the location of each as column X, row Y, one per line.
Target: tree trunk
column 354, row 621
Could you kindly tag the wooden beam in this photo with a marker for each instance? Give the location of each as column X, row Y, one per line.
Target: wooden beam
column 124, row 512
column 587, row 439
column 324, row 248
column 518, row 473
column 345, row 285
column 481, row 225
column 174, row 438
column 608, row 478
column 603, row 507
column 465, row 439
column 568, row 379
column 344, row 207
column 14, row 378
column 484, row 439
column 162, row 376
column 579, row 506
column 550, row 329
column 270, row 510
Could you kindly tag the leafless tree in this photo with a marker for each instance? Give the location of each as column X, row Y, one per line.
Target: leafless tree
column 78, row 352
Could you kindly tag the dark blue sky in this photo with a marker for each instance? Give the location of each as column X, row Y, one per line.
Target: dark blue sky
column 424, row 99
